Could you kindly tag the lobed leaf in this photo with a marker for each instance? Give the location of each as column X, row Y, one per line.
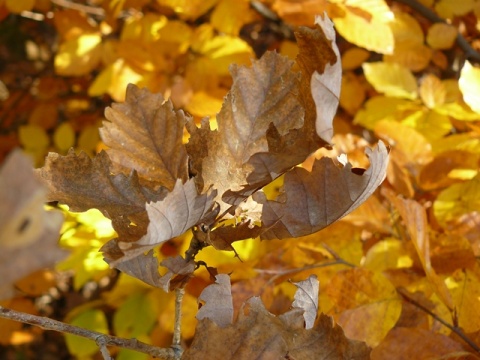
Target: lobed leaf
column 145, row 133
column 316, row 199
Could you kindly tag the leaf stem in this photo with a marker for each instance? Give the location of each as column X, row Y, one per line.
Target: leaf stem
column 470, row 53
column 103, row 340
column 455, row 329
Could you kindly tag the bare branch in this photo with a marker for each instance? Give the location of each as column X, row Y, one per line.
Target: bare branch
column 470, row 53
column 455, row 329
column 102, row 340
column 179, row 292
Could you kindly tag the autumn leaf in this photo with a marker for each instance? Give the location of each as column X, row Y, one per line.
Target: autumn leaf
column 83, row 183
column 259, row 96
column 217, row 300
column 259, row 334
column 316, row 199
column 306, row 298
column 180, row 210
column 24, row 224
column 145, row 133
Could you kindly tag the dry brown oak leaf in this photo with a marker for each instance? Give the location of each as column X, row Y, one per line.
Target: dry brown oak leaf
column 258, row 334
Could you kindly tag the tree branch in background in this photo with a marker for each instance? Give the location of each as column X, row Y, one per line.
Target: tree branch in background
column 426, row 12
column 103, row 340
column 455, row 329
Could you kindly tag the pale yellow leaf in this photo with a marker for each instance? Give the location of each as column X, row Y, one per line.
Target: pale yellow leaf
column 78, row 56
column 229, row 16
column 64, row 137
column 432, row 91
column 375, row 35
column 441, row 36
column 406, row 29
column 33, row 137
column 391, row 79
column 469, row 83
column 415, row 56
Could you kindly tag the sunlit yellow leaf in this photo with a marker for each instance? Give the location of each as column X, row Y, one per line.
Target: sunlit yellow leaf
column 441, row 36
column 366, row 304
column 175, row 38
column 229, row 16
column 17, row 6
column 406, row 29
column 143, row 28
column 113, row 80
column 432, row 91
column 457, row 200
column 91, row 319
column 464, row 284
column 469, row 84
column 203, row 104
column 391, row 79
column 354, row 58
column 467, row 141
column 463, row 174
column 78, row 56
column 429, row 123
column 409, row 141
column 374, row 35
column 388, row 254
column 189, row 9
column 64, row 137
column 380, row 108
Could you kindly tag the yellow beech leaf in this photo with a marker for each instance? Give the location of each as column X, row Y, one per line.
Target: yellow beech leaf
column 78, row 56
column 429, row 123
column 64, row 137
column 457, row 200
column 450, row 8
column 203, row 104
column 352, row 93
column 33, row 137
column 366, row 304
column 188, row 9
column 354, row 58
column 409, row 141
column 415, row 56
column 88, row 139
column 389, row 253
column 432, row 91
column 374, row 35
column 380, row 108
column 391, row 79
column 464, row 285
column 469, row 84
column 114, row 79
column 17, row 6
column 441, row 36
column 467, row 142
column 229, row 16
column 406, row 29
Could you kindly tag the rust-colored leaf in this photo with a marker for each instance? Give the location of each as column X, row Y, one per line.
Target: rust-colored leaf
column 145, row 133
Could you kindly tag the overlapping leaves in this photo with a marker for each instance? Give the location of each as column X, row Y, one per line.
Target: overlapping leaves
column 271, row 120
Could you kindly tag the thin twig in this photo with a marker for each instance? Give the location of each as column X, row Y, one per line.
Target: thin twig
column 455, row 329
column 80, row 7
column 426, row 12
column 177, row 327
column 103, row 348
column 104, row 339
column 281, row 273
